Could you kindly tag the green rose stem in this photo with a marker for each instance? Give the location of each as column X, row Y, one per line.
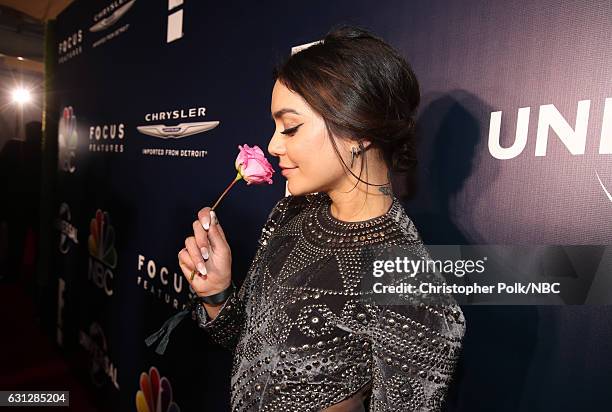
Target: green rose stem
column 238, row 177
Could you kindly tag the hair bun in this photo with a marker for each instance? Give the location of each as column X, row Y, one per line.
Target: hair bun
column 362, row 89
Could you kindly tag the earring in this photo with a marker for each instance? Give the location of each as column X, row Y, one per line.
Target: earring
column 355, row 153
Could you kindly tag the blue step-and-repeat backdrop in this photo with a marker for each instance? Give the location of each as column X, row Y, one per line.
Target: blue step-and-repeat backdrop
column 155, row 96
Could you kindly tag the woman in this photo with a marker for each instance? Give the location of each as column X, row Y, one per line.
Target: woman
column 304, row 333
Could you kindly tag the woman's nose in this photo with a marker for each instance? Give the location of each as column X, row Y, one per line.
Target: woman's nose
column 276, row 147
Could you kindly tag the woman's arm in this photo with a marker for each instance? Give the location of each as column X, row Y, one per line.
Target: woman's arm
column 415, row 351
column 224, row 322
column 226, row 326
column 416, row 343
column 212, row 310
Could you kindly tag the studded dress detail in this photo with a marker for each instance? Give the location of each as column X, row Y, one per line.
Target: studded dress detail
column 305, row 338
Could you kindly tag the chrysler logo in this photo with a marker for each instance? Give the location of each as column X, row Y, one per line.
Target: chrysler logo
column 112, row 19
column 178, row 131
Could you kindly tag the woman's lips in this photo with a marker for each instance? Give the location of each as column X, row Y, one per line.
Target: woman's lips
column 287, row 171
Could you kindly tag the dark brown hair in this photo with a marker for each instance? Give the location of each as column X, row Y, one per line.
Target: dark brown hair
column 363, row 89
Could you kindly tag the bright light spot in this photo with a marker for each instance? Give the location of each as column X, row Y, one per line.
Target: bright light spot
column 21, row 95
column 20, row 59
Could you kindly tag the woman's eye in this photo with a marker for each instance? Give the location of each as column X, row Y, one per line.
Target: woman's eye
column 291, row 131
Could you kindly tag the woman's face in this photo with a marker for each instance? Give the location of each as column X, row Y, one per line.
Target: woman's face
column 300, row 142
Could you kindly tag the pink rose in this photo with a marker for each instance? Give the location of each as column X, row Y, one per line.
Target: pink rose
column 253, row 166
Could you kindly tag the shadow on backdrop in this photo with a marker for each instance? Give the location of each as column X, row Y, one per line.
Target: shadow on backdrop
column 500, row 340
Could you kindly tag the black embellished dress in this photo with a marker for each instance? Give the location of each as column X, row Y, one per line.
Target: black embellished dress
column 304, row 339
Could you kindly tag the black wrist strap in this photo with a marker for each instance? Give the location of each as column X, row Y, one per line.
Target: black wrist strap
column 169, row 325
column 218, row 297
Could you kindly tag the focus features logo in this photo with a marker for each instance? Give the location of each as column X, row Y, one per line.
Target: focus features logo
column 70, row 46
column 163, row 283
column 107, row 138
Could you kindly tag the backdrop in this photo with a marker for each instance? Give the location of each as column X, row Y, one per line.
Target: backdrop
column 515, row 148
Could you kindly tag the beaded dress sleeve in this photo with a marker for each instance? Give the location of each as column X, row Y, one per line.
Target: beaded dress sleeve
column 225, row 328
column 415, row 348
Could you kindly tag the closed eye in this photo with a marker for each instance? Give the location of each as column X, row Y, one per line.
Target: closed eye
column 292, row 130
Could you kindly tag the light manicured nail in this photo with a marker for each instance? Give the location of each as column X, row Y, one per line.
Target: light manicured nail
column 205, row 225
column 204, row 252
column 201, row 268
column 213, row 217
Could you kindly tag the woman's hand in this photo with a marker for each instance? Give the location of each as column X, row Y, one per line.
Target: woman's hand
column 208, row 253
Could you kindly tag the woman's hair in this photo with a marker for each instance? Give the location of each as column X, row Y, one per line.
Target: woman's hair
column 363, row 89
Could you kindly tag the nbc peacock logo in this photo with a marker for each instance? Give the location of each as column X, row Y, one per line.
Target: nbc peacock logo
column 102, row 239
column 67, row 140
column 103, row 255
column 155, row 394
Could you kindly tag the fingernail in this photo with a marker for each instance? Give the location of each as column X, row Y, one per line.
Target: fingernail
column 201, row 268
column 204, row 252
column 213, row 217
column 205, row 225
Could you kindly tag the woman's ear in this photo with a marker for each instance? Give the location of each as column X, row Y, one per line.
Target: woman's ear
column 366, row 143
